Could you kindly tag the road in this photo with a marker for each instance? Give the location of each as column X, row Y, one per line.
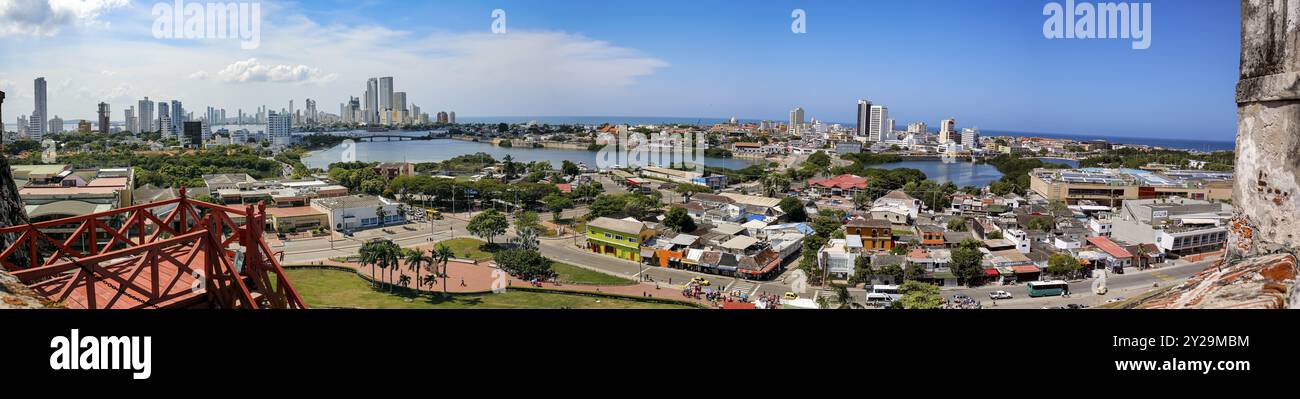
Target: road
column 1128, row 285
column 567, row 250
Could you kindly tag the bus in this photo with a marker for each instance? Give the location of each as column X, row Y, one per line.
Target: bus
column 1048, row 288
column 889, row 291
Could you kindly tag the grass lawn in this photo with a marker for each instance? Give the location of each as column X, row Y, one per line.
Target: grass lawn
column 577, row 275
column 467, row 248
column 332, row 288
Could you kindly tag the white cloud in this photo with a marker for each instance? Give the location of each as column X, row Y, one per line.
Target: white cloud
column 48, row 17
column 520, row 73
column 252, row 70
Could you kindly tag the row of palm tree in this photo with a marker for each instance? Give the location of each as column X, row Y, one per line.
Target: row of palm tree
column 387, row 256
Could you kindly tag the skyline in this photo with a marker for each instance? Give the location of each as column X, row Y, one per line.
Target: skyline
column 739, row 64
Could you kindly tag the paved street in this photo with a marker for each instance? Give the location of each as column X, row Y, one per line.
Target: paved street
column 1126, row 285
column 566, row 250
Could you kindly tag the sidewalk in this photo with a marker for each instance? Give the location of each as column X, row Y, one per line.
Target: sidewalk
column 466, row 277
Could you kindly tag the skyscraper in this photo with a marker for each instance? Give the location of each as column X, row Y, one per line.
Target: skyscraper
column 144, row 121
column 372, row 102
column 177, row 116
column 399, row 107
column 796, row 121
column 56, row 124
column 193, row 136
column 864, row 117
column 41, row 114
column 103, row 118
column 876, row 127
column 277, row 128
column 165, row 120
column 451, row 117
column 970, row 138
column 129, row 116
column 386, row 100
column 946, row 129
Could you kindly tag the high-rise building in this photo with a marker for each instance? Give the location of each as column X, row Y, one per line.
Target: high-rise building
column 164, row 125
column 129, row 116
column 415, row 113
column 399, row 107
column 386, row 94
column 876, row 129
column 970, row 138
column 796, row 122
column 178, row 117
column 917, row 127
column 34, row 129
column 56, row 124
column 3, row 137
column 103, row 118
column 22, row 127
column 144, row 120
column 193, row 136
column 443, row 117
column 864, row 117
column 451, row 117
column 947, row 128
column 371, row 102
column 41, row 114
column 277, row 128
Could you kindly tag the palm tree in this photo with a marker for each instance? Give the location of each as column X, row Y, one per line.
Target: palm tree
column 845, row 299
column 415, row 259
column 370, row 255
column 443, row 254
column 381, row 214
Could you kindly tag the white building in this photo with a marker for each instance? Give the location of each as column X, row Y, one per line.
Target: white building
column 796, row 122
column 1019, row 238
column 947, row 128
column 877, row 125
column 277, row 127
column 360, row 211
column 970, row 138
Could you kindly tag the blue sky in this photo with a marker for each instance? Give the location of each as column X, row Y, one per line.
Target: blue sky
column 985, row 63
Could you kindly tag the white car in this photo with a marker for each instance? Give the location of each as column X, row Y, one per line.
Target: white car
column 1000, row 295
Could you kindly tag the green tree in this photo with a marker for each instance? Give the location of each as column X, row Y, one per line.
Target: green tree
column 441, row 255
column 794, row 209
column 525, row 264
column 382, row 215
column 687, row 190
column 775, row 184
column 527, row 220
column 967, row 264
column 957, row 224
column 894, row 272
column 1040, row 223
column 416, row 259
column 918, row 295
column 679, row 220
column 1063, row 265
column 488, row 224
column 557, row 203
column 569, row 168
column 844, row 300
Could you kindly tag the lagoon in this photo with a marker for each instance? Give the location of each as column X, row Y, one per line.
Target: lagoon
column 960, row 173
column 443, row 149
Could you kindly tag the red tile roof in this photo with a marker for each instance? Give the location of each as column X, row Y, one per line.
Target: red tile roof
column 1110, row 247
column 845, row 181
column 1025, row 269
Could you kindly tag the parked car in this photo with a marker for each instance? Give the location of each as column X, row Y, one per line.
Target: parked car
column 791, row 296
column 1000, row 295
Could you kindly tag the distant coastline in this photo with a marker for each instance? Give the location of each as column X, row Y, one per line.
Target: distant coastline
column 1184, row 144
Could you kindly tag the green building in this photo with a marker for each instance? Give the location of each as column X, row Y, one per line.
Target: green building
column 618, row 238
